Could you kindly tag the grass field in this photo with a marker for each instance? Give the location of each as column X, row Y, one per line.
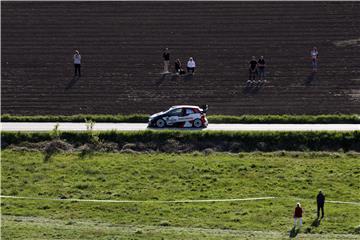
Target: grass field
column 290, row 177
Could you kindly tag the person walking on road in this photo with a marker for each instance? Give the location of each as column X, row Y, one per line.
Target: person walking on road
column 298, row 214
column 166, row 56
column 320, row 199
column 77, row 63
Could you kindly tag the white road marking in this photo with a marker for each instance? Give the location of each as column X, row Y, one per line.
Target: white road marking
column 68, row 126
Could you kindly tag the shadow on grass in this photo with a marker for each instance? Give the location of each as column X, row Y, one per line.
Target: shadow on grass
column 294, row 232
column 316, row 222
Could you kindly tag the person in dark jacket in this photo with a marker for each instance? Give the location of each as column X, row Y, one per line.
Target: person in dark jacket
column 252, row 70
column 298, row 214
column 166, row 56
column 320, row 199
column 261, row 69
column 178, row 67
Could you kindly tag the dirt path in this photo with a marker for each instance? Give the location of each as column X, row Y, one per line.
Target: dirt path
column 144, row 230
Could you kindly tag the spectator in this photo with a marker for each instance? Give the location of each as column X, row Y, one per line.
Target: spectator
column 178, row 69
column 252, row 69
column 261, row 69
column 298, row 214
column 191, row 65
column 314, row 58
column 166, row 56
column 320, row 199
column 77, row 63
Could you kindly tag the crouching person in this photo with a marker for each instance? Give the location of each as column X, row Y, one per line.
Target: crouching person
column 191, row 65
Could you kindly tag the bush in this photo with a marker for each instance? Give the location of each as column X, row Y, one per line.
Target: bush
column 185, row 141
column 54, row 147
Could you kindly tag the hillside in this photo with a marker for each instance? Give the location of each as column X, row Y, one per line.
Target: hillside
column 121, row 45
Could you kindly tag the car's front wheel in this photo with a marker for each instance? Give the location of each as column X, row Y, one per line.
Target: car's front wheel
column 160, row 123
column 197, row 123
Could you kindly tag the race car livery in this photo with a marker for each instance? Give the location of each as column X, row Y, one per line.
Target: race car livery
column 183, row 116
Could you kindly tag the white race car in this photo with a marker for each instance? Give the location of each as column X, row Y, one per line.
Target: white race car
column 182, row 116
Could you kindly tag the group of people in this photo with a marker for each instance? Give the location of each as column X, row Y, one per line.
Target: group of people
column 190, row 66
column 298, row 213
column 256, row 67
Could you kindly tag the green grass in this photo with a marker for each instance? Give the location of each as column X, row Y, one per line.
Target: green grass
column 143, row 118
column 290, row 177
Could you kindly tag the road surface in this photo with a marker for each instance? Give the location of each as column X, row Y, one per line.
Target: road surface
column 48, row 126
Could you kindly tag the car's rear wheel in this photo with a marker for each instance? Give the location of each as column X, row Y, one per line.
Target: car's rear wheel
column 160, row 123
column 197, row 123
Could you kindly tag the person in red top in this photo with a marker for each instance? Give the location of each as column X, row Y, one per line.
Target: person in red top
column 298, row 214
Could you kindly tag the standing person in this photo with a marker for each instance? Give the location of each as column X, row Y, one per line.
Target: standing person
column 77, row 63
column 320, row 200
column 261, row 68
column 298, row 214
column 166, row 56
column 252, row 69
column 178, row 68
column 314, row 58
column 191, row 65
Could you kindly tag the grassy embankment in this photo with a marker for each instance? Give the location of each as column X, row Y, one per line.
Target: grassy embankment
column 188, row 141
column 143, row 118
column 290, row 177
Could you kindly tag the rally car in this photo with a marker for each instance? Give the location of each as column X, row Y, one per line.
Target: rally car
column 182, row 116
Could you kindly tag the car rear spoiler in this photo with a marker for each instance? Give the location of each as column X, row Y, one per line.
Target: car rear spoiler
column 204, row 108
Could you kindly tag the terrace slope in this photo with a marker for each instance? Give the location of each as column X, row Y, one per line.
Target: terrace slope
column 121, row 45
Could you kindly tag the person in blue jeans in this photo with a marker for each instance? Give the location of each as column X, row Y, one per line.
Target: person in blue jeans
column 314, row 58
column 261, row 69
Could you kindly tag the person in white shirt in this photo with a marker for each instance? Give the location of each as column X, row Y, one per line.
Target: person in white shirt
column 314, row 58
column 77, row 63
column 191, row 65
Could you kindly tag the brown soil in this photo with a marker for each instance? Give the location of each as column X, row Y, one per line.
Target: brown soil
column 121, row 45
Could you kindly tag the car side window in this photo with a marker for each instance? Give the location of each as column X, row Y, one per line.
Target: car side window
column 175, row 112
column 189, row 111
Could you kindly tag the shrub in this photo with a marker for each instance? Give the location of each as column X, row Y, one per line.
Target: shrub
column 184, row 141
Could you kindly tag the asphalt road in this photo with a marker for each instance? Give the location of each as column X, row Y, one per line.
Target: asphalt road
column 47, row 126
